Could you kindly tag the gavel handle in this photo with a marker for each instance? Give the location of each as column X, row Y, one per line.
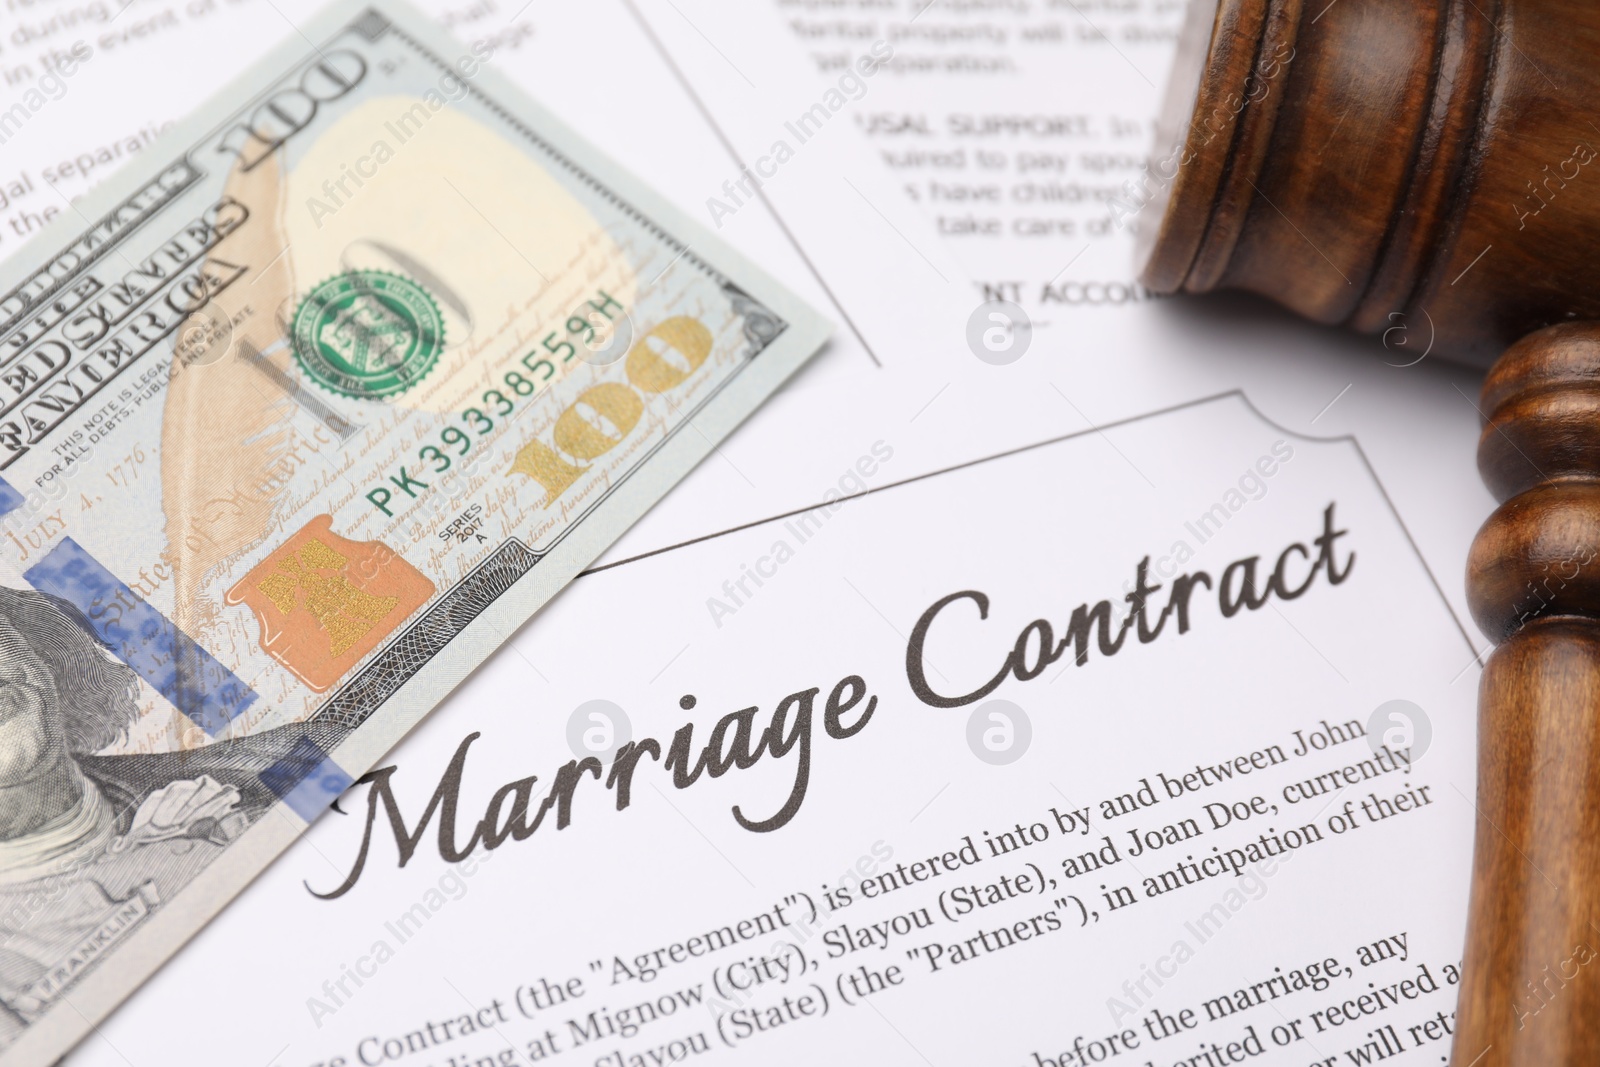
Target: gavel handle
column 1530, row 991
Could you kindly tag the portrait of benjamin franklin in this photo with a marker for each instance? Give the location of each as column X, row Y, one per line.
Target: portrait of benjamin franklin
column 90, row 845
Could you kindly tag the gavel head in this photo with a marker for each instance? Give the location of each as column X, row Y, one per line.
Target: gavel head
column 1433, row 164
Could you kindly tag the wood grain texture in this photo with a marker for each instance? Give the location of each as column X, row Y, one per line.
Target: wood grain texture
column 1431, row 162
column 1542, row 403
column 1437, row 162
column 1530, row 993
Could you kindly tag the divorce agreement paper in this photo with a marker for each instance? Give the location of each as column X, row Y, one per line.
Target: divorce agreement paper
column 1040, row 760
column 1013, row 137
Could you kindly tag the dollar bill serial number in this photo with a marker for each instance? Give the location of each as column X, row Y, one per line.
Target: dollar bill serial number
column 599, row 419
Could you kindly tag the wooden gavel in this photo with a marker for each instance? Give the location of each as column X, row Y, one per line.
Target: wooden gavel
column 1434, row 165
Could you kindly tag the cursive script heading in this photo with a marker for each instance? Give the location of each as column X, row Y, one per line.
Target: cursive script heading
column 510, row 816
column 1241, row 588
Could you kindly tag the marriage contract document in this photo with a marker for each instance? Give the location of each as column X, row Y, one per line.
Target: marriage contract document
column 1038, row 760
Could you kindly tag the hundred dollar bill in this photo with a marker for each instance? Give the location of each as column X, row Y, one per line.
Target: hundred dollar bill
column 300, row 418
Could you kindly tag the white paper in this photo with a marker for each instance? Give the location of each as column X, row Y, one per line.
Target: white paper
column 1096, row 356
column 1042, row 532
column 290, row 979
column 867, row 255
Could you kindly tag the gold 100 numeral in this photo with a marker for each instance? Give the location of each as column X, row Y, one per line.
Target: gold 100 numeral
column 661, row 360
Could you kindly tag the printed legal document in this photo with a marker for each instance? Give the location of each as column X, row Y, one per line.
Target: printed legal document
column 1344, row 833
column 1021, row 762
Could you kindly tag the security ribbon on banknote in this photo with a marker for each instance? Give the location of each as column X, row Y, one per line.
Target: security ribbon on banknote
column 300, row 417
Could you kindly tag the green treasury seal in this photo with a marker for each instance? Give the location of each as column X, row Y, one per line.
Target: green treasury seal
column 368, row 334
